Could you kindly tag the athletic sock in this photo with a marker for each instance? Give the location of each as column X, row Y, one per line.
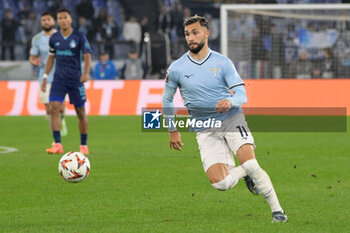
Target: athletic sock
column 64, row 130
column 235, row 173
column 57, row 136
column 83, row 139
column 263, row 183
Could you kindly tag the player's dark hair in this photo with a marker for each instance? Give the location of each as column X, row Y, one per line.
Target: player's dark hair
column 63, row 10
column 47, row 13
column 194, row 19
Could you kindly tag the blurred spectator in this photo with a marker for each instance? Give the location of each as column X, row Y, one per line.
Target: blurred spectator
column 177, row 16
column 31, row 27
column 257, row 46
column 133, row 68
column 85, row 9
column 105, row 68
column 8, row 28
column 290, row 50
column 180, row 27
column 164, row 22
column 274, row 46
column 180, row 46
column 144, row 28
column 329, row 64
column 85, row 28
column 55, row 6
column 23, row 15
column 214, row 32
column 304, row 69
column 132, row 32
column 109, row 34
column 243, row 26
column 100, row 20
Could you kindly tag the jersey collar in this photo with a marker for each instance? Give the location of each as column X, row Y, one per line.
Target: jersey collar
column 200, row 62
column 66, row 37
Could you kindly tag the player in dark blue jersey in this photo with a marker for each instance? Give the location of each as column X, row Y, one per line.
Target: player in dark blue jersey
column 67, row 47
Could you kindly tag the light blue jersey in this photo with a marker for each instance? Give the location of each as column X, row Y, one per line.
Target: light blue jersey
column 204, row 83
column 40, row 47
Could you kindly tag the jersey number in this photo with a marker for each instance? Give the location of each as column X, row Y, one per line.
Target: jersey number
column 242, row 131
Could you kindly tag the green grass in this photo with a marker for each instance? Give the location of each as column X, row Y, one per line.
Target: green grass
column 137, row 184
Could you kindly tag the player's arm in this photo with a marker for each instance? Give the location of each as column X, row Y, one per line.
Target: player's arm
column 236, row 85
column 49, row 64
column 168, row 109
column 34, row 56
column 34, row 60
column 87, row 63
column 238, row 99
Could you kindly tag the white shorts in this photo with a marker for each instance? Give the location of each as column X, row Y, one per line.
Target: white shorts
column 216, row 146
column 44, row 96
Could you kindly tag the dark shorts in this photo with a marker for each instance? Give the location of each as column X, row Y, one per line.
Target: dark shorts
column 76, row 93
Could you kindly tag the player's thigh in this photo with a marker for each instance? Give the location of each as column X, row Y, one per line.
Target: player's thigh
column 238, row 136
column 77, row 95
column 213, row 150
column 57, row 92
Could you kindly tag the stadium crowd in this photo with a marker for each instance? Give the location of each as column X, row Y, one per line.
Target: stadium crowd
column 113, row 28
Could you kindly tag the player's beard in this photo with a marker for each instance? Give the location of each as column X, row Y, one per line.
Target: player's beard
column 198, row 48
column 47, row 29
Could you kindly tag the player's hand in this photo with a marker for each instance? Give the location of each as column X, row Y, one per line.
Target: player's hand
column 223, row 106
column 175, row 140
column 43, row 86
column 36, row 62
column 84, row 78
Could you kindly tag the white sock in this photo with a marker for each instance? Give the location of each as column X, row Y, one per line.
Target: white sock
column 237, row 172
column 263, row 183
column 231, row 179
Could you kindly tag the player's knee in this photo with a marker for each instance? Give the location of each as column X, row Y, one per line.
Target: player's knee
column 251, row 167
column 54, row 108
column 224, row 184
column 80, row 113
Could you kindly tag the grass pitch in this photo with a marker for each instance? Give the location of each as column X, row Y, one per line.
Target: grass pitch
column 137, row 184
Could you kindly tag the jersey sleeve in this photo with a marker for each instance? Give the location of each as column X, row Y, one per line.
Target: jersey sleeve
column 52, row 49
column 231, row 75
column 34, row 50
column 171, row 79
column 85, row 46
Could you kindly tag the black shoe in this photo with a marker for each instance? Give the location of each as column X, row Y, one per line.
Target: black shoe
column 251, row 185
column 279, row 216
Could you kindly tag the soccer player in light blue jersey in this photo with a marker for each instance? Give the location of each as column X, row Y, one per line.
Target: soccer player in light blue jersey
column 67, row 48
column 38, row 56
column 205, row 79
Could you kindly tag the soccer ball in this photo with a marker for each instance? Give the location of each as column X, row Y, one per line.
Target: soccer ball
column 74, row 167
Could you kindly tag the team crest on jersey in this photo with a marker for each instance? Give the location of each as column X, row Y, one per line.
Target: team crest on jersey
column 214, row 70
column 73, row 44
column 57, row 44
